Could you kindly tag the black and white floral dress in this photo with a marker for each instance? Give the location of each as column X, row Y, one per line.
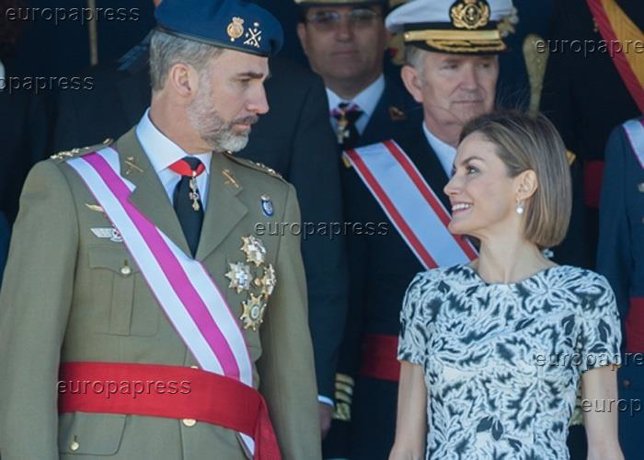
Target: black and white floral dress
column 502, row 362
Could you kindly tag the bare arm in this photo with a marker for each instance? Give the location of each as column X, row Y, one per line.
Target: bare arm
column 411, row 421
column 600, row 404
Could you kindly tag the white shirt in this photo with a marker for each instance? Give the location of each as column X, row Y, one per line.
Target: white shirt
column 444, row 151
column 367, row 100
column 162, row 152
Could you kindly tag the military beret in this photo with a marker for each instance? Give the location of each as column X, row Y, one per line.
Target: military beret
column 234, row 24
column 460, row 27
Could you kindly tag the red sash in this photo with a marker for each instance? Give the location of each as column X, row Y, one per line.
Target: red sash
column 179, row 392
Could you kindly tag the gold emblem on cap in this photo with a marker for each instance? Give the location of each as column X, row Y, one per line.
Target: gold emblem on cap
column 235, row 29
column 470, row 14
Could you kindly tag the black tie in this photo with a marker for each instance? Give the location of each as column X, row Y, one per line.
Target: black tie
column 347, row 114
column 187, row 200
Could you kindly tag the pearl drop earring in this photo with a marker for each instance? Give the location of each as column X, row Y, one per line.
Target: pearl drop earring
column 520, row 208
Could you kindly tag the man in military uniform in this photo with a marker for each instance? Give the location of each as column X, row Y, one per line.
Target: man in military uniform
column 303, row 148
column 344, row 41
column 620, row 257
column 150, row 329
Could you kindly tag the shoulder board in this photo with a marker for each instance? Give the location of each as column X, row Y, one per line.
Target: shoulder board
column 254, row 165
column 77, row 152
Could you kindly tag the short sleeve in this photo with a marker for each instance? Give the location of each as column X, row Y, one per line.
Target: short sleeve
column 412, row 344
column 601, row 334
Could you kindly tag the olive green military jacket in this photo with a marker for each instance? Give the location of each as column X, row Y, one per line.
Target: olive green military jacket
column 70, row 295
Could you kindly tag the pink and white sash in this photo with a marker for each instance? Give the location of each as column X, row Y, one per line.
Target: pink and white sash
column 411, row 204
column 635, row 133
column 182, row 286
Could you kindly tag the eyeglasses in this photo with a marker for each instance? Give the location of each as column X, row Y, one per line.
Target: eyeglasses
column 327, row 20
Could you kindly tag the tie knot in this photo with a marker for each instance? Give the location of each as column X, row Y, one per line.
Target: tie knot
column 188, row 166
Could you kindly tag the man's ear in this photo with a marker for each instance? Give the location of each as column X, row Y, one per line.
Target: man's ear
column 413, row 82
column 184, row 79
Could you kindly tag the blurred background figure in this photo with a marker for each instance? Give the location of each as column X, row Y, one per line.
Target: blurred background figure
column 594, row 81
column 620, row 257
column 23, row 118
column 345, row 43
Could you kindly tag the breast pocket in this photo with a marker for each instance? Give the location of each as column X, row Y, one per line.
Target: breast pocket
column 121, row 292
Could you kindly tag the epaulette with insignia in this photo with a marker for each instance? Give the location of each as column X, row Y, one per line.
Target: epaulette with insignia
column 77, row 152
column 255, row 165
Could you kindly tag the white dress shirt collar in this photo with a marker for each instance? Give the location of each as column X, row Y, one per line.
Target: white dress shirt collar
column 444, row 151
column 162, row 152
column 367, row 100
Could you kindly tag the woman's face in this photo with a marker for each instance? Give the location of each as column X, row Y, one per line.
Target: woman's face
column 481, row 193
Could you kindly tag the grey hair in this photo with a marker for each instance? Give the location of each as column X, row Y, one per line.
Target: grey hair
column 167, row 50
column 415, row 57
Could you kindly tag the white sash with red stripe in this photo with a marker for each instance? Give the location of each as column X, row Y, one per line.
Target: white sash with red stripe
column 182, row 286
column 635, row 133
column 411, row 204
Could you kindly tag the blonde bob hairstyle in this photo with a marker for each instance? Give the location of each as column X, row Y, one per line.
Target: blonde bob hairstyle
column 532, row 143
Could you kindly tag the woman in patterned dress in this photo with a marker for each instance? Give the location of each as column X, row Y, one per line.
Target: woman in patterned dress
column 492, row 353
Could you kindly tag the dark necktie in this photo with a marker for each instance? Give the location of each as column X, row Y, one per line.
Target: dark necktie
column 187, row 201
column 346, row 115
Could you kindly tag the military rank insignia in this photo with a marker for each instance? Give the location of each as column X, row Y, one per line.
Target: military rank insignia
column 255, row 277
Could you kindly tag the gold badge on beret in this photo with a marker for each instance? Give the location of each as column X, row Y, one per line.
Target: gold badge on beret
column 470, row 14
column 235, row 29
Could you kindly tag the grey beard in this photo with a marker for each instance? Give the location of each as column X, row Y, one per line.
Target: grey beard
column 226, row 140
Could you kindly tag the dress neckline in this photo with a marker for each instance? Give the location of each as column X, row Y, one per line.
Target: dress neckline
column 539, row 273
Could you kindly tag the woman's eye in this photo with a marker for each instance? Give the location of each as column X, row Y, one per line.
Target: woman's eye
column 471, row 170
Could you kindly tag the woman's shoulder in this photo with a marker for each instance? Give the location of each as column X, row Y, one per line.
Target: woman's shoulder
column 575, row 277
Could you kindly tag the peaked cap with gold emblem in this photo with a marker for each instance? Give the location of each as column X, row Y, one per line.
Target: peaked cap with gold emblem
column 459, row 27
column 233, row 24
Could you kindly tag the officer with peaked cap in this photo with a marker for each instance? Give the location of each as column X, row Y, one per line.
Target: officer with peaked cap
column 141, row 316
column 452, row 69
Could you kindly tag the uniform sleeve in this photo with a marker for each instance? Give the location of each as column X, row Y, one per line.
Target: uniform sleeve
column 34, row 305
column 412, row 344
column 286, row 369
column 601, row 335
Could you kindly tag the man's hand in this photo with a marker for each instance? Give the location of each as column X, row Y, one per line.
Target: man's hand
column 326, row 413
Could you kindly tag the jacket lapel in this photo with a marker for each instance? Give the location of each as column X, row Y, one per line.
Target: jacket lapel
column 224, row 209
column 149, row 196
